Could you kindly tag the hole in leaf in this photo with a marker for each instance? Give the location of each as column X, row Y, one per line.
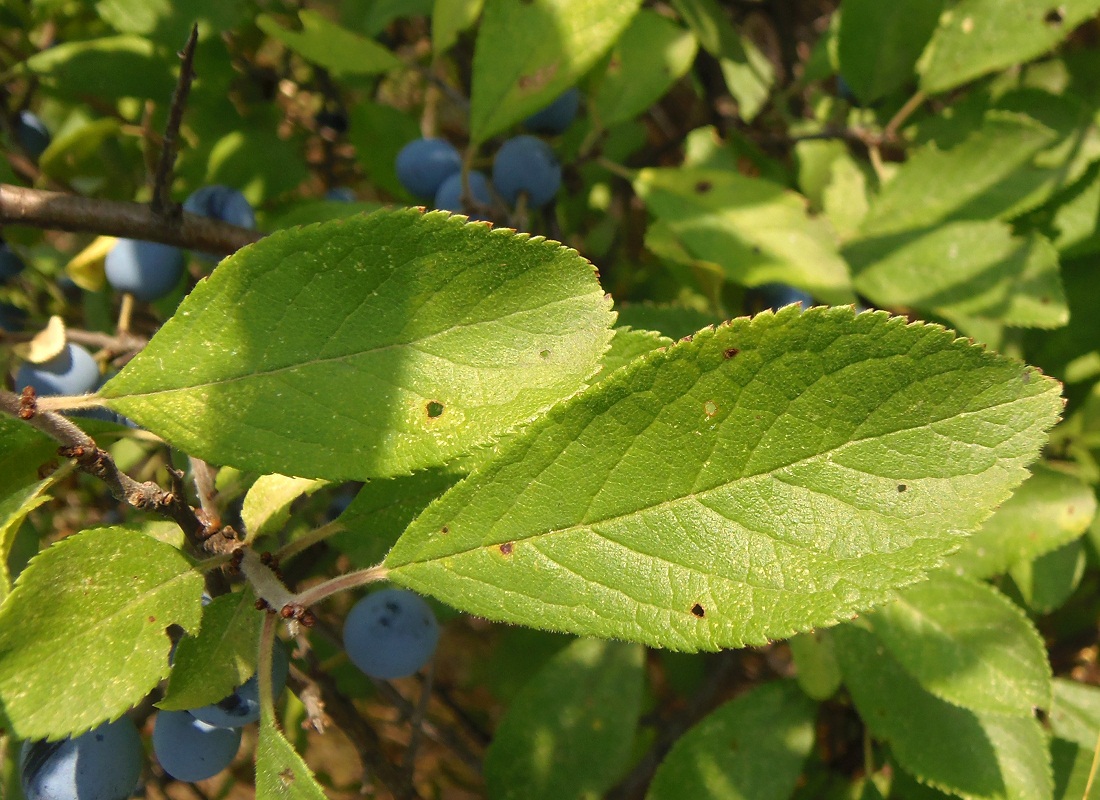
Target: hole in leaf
column 506, row 548
column 1056, row 16
column 730, row 352
column 544, row 354
column 698, row 611
column 434, row 409
column 702, row 187
column 445, row 530
column 710, row 408
column 902, row 487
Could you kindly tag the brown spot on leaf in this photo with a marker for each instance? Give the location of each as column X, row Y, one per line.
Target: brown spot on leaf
column 445, row 530
column 1056, row 16
column 544, row 354
column 152, row 618
column 698, row 611
column 730, row 352
column 506, row 548
column 536, row 80
column 287, row 776
column 710, row 408
column 702, row 187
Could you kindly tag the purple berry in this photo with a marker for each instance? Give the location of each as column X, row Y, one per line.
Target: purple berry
column 32, row 133
column 102, row 764
column 424, row 164
column 147, row 270
column 449, row 196
column 224, row 203
column 72, row 371
column 391, row 633
column 526, row 164
column 557, row 116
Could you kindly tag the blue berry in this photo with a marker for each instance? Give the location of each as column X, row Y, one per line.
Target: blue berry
column 221, row 202
column 31, row 133
column 189, row 749
column 557, row 116
column 526, row 164
column 147, row 270
column 72, row 371
column 449, row 196
column 391, row 633
column 10, row 264
column 775, row 296
column 341, row 194
column 103, row 764
column 243, row 705
column 423, row 165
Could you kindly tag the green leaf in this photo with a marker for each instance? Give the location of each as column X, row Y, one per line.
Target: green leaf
column 382, row 510
column 1049, row 509
column 220, row 658
column 529, row 53
column 976, row 37
column 1048, row 581
column 82, row 635
column 673, row 321
column 751, row 748
column 108, row 69
column 280, row 772
column 450, row 18
column 756, row 230
column 964, row 269
column 1075, row 712
column 233, row 161
column 981, row 177
column 25, row 450
column 267, row 504
column 568, row 732
column 749, row 74
column 652, row 54
column 368, row 347
column 326, row 44
column 1072, row 767
column 13, row 510
column 170, row 23
column 878, row 43
column 817, row 670
column 968, row 644
column 987, row 756
column 628, row 345
column 379, row 132
column 768, row 477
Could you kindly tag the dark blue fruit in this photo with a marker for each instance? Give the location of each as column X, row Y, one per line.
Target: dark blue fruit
column 72, row 371
column 221, row 202
column 557, row 116
column 391, row 633
column 147, row 270
column 423, row 165
column 243, row 705
column 341, row 194
column 32, row 133
column 10, row 264
column 449, row 196
column 774, row 296
column 526, row 164
column 190, row 750
column 103, row 764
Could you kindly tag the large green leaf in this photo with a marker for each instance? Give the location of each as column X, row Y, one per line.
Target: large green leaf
column 328, row 45
column 751, row 748
column 988, row 756
column 280, row 772
column 1049, row 510
column 756, row 230
column 108, row 68
column 368, row 347
column 1075, row 713
column 450, row 18
column 967, row 643
column 82, row 635
column 767, row 477
column 25, row 450
column 976, row 37
column 652, row 54
column 878, row 43
column 568, row 732
column 528, row 53
column 169, row 22
column 220, row 658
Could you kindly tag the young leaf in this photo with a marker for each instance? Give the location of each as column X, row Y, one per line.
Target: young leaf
column 771, row 476
column 211, row 665
column 628, row 345
column 976, row 37
column 280, row 772
column 267, row 503
column 1075, row 712
column 25, row 450
column 450, row 18
column 751, row 747
column 13, row 510
column 82, row 634
column 568, row 732
column 756, row 230
column 110, row 67
column 968, row 644
column 987, row 756
column 529, row 53
column 1073, row 771
column 818, row 673
column 368, row 347
column 1046, row 582
column 1049, row 509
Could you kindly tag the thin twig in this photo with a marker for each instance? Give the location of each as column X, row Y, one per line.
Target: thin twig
column 416, row 722
column 890, row 132
column 161, row 203
column 36, row 208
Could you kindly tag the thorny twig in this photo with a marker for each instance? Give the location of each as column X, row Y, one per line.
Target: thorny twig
column 161, row 203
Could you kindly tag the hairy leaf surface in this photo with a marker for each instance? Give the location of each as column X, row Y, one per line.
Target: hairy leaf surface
column 368, row 347
column 82, row 635
column 767, row 477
